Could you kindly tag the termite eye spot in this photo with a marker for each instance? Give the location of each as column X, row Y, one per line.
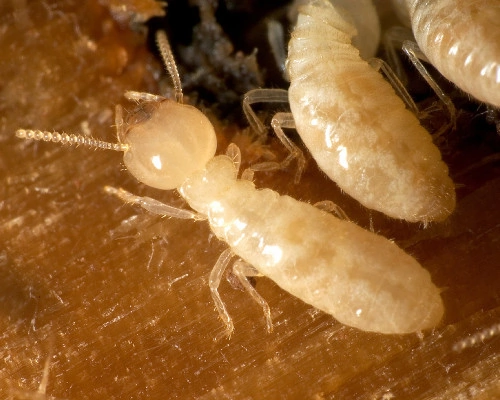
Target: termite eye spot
column 142, row 113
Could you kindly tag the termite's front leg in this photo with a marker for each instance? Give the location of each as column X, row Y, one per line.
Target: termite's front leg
column 152, row 205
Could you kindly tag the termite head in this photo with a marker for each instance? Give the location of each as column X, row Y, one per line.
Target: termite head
column 167, row 148
column 161, row 151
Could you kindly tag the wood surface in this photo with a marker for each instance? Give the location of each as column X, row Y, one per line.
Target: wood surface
column 118, row 299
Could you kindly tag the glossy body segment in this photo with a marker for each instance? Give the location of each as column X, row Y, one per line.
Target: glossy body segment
column 357, row 128
column 461, row 38
column 360, row 278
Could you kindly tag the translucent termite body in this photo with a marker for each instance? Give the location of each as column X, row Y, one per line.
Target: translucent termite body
column 359, row 277
column 355, row 126
column 461, row 38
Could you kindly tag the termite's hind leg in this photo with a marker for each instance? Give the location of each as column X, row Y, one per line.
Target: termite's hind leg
column 381, row 66
column 416, row 55
column 152, row 205
column 402, row 38
column 261, row 96
column 393, row 42
column 214, row 282
column 242, row 270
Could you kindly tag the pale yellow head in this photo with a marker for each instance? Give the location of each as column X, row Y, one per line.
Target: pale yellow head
column 174, row 142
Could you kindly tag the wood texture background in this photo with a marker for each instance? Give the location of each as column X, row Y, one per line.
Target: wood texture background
column 119, row 299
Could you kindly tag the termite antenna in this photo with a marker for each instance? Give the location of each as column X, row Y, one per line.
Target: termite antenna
column 70, row 140
column 169, row 61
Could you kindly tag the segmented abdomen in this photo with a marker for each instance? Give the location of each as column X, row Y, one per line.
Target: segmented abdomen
column 461, row 38
column 360, row 278
column 356, row 127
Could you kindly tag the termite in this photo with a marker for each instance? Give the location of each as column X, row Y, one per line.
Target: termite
column 353, row 123
column 462, row 40
column 359, row 277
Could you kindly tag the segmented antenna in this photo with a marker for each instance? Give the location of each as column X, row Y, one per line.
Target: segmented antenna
column 169, row 61
column 478, row 337
column 70, row 140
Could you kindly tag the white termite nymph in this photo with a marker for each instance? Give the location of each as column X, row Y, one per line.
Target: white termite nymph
column 359, row 277
column 353, row 123
column 461, row 38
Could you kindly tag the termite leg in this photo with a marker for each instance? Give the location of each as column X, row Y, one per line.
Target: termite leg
column 214, row 282
column 397, row 85
column 393, row 41
column 280, row 120
column 276, row 39
column 415, row 55
column 152, row 205
column 261, row 96
column 492, row 158
column 331, row 207
column 242, row 270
